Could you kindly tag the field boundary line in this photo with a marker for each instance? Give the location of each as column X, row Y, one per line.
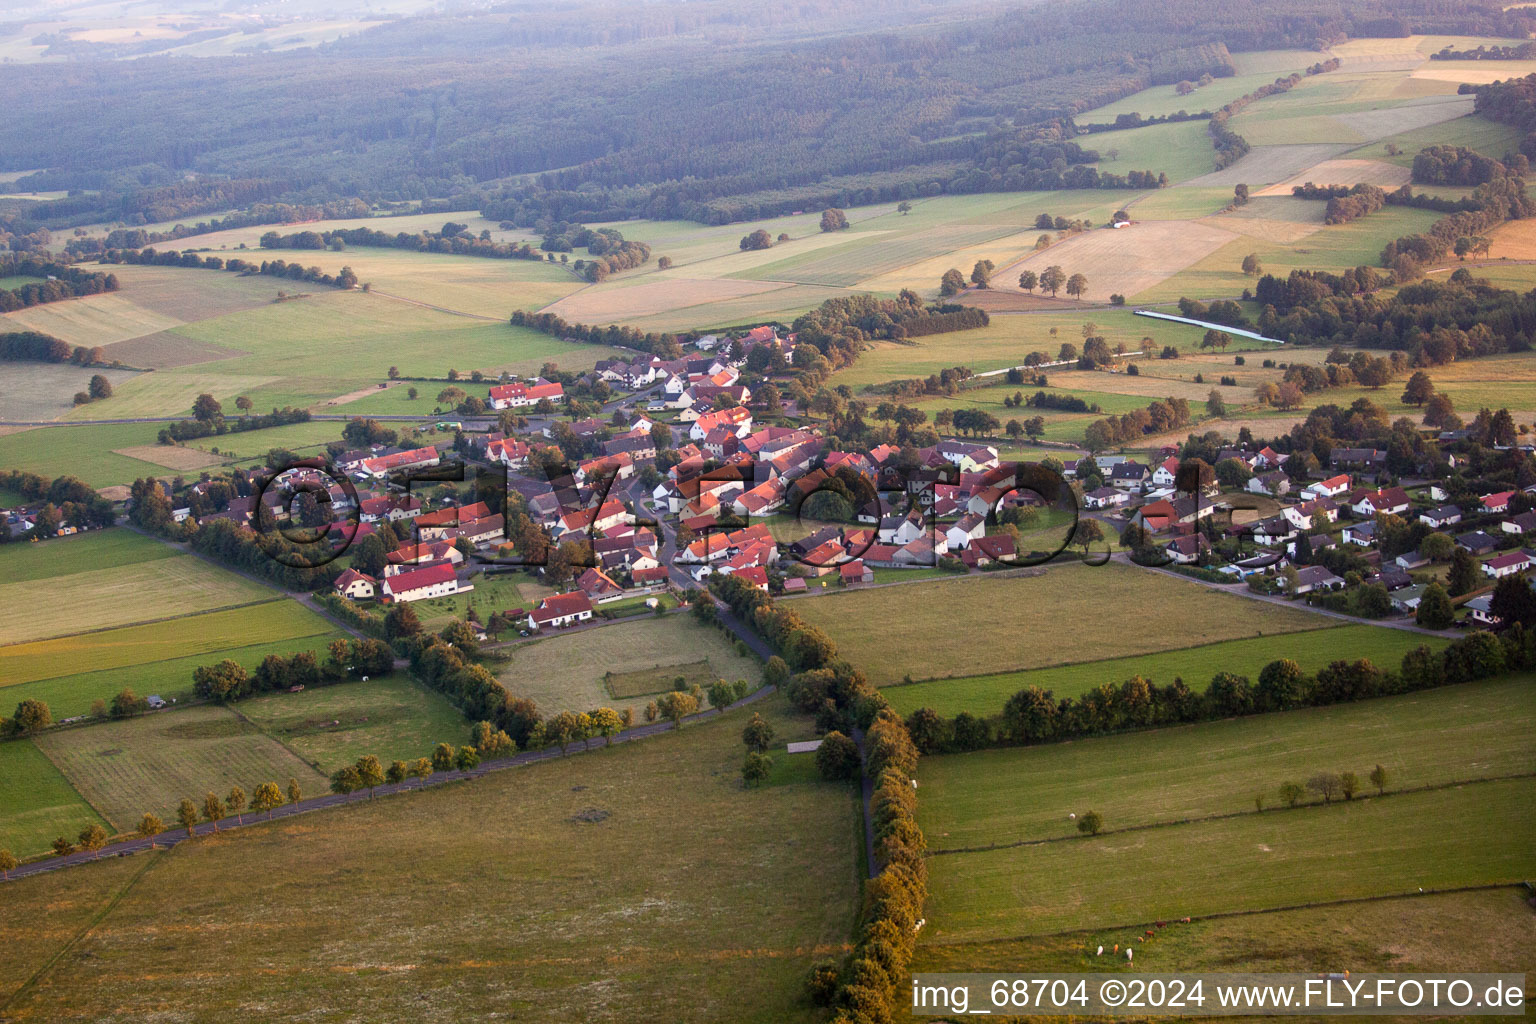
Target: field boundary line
column 441, row 309
column 117, row 829
column 1175, row 822
column 85, row 929
column 263, row 732
column 1220, row 914
column 131, row 625
column 1095, row 661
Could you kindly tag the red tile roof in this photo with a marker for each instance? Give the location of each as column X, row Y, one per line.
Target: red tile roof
column 559, row 606
column 418, row 579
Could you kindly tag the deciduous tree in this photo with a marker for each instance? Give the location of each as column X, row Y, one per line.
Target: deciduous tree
column 186, row 815
column 213, row 809
column 235, row 801
column 370, row 772
column 755, row 768
column 758, row 734
column 266, row 798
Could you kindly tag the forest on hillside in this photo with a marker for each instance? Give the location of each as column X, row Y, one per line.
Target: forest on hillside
column 695, row 111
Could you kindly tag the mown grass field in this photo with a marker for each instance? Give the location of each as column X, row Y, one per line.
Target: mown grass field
column 1481, row 833
column 68, row 902
column 1009, row 338
column 121, row 595
column 127, row 767
column 331, row 726
column 189, row 636
column 566, row 673
column 1017, row 794
column 86, row 452
column 611, row 924
column 36, row 392
column 70, row 695
column 661, row 678
column 37, row 804
column 966, row 627
column 82, row 552
column 1312, row 650
column 330, row 343
column 1253, row 70
column 1493, row 929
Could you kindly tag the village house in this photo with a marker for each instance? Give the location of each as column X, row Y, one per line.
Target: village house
column 1274, row 530
column 598, row 586
column 1507, row 564
column 509, row 452
column 1480, row 609
column 409, row 556
column 561, row 610
column 738, row 419
column 1310, row 578
column 1440, row 516
column 1329, row 488
column 1275, row 484
column 1104, row 497
column 1476, row 542
column 355, row 586
column 1188, row 549
column 1300, row 516
column 1129, row 477
column 414, row 458
column 1363, row 534
column 420, row 584
column 984, row 551
column 1497, row 502
column 391, row 507
column 1519, row 525
column 1360, row 460
column 968, row 528
column 969, row 457
column 755, row 575
column 1391, row 501
column 520, row 394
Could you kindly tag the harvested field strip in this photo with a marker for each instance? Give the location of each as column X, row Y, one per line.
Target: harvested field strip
column 106, row 598
column 150, row 763
column 1266, row 164
column 1312, row 649
column 1430, row 738
column 1126, row 261
column 73, row 694
column 189, row 635
column 92, row 320
column 1353, row 850
column 82, row 552
column 1344, row 172
column 1489, row 926
column 928, row 629
column 618, row 304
